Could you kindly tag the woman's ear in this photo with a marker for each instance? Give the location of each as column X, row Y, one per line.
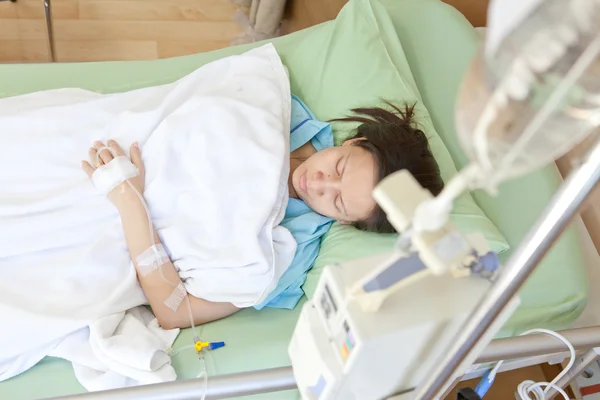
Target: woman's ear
column 350, row 142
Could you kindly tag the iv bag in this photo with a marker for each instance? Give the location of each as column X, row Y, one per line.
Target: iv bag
column 535, row 94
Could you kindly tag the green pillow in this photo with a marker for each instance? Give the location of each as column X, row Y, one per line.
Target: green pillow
column 379, row 71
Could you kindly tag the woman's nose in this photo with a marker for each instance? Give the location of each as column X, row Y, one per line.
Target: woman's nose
column 324, row 183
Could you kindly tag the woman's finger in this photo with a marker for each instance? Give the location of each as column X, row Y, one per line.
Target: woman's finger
column 117, row 150
column 136, row 157
column 89, row 170
column 103, row 152
column 94, row 159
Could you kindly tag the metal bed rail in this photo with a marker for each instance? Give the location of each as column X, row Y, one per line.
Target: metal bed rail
column 280, row 379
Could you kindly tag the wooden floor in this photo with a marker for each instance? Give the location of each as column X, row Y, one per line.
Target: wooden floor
column 93, row 30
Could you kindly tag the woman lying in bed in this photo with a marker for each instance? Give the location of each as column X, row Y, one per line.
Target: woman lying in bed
column 326, row 183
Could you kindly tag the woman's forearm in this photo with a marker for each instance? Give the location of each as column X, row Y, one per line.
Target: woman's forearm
column 140, row 237
column 154, row 284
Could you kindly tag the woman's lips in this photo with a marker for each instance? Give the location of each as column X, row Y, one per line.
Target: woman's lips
column 302, row 182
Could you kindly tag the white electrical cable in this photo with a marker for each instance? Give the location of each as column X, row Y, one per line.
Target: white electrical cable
column 159, row 256
column 539, row 390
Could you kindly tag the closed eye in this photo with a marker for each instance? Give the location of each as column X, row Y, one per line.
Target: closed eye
column 342, row 207
column 339, row 169
column 338, row 204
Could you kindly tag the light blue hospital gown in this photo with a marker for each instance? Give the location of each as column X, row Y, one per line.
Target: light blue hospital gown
column 306, row 226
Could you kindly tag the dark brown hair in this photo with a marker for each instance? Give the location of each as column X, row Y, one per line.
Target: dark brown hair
column 395, row 145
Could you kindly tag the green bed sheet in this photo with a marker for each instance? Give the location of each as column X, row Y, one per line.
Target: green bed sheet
column 431, row 44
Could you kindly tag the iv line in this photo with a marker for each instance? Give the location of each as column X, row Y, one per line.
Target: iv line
column 196, row 339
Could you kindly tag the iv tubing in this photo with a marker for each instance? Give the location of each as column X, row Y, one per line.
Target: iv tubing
column 153, row 246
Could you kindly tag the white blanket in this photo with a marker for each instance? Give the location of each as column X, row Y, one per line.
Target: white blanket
column 215, row 146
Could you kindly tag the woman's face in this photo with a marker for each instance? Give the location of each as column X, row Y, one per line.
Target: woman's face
column 337, row 182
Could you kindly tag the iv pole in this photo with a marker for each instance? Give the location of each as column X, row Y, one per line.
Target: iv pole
column 555, row 218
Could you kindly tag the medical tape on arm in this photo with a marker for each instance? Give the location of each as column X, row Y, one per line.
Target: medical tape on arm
column 176, row 297
column 108, row 176
column 151, row 259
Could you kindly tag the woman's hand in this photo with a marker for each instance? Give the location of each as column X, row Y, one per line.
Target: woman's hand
column 122, row 196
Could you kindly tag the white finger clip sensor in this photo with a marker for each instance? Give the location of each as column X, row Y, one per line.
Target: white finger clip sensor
column 107, row 177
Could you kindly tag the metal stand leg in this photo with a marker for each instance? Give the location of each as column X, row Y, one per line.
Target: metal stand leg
column 50, row 31
column 564, row 206
column 589, row 357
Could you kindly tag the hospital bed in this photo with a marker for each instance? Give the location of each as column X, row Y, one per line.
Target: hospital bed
column 401, row 50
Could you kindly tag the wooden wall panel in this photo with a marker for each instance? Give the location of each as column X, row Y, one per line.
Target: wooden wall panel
column 7, row 11
column 97, row 30
column 23, row 50
column 100, row 50
column 34, row 9
column 22, row 39
column 31, row 29
column 11, row 50
column 91, row 30
column 156, row 10
column 9, row 29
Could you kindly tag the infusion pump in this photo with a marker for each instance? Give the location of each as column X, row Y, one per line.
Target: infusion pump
column 376, row 325
column 338, row 351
